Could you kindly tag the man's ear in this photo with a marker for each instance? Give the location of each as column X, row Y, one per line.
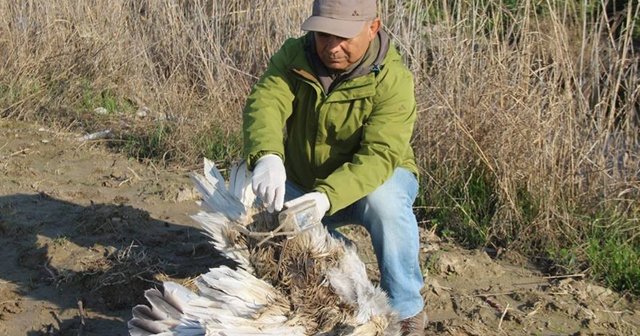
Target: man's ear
column 374, row 27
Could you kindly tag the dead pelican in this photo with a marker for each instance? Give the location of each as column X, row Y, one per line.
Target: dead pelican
column 285, row 283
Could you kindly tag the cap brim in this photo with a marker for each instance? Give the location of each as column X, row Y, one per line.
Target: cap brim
column 341, row 28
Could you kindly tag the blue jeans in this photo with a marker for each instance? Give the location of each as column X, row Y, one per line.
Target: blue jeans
column 388, row 216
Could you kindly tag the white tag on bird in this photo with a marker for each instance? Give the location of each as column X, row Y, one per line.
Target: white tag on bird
column 299, row 217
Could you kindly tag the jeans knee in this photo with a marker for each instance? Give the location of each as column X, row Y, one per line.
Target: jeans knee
column 388, row 207
column 379, row 211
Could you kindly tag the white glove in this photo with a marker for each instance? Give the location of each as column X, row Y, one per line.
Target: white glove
column 320, row 199
column 268, row 181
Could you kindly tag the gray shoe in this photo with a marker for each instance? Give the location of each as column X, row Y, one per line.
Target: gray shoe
column 414, row 326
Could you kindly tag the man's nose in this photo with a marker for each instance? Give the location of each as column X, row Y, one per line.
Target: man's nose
column 334, row 42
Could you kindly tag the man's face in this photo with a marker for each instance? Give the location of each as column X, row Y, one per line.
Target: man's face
column 338, row 53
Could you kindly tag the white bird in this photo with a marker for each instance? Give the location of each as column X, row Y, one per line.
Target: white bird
column 308, row 283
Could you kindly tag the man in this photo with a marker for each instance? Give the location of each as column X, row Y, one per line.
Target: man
column 330, row 120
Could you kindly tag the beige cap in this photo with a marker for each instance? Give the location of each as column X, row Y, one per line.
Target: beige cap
column 344, row 18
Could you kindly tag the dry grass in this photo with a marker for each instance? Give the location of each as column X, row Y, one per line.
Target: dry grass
column 543, row 106
column 529, row 112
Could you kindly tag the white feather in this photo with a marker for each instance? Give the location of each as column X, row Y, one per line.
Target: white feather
column 237, row 291
column 240, row 184
column 349, row 280
column 252, row 331
column 178, row 295
column 216, row 198
column 217, row 227
column 213, row 175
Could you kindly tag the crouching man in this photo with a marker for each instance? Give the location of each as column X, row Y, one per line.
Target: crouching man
column 331, row 120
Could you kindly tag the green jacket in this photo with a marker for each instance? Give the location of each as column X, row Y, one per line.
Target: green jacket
column 345, row 143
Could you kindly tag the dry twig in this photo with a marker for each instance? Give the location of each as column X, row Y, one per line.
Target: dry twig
column 82, row 314
column 502, row 317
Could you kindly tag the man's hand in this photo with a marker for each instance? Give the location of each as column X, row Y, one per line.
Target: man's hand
column 320, row 199
column 268, row 181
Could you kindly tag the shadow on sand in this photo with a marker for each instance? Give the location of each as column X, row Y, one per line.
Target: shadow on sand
column 101, row 257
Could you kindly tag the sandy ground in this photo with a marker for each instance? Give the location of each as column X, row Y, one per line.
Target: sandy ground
column 84, row 231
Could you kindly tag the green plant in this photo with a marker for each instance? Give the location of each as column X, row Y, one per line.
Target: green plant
column 152, row 143
column 564, row 259
column 462, row 208
column 614, row 254
column 61, row 241
column 216, row 144
column 93, row 98
column 7, row 98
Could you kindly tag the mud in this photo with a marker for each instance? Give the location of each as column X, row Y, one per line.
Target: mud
column 85, row 231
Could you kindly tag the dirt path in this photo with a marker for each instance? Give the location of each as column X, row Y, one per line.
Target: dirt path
column 84, row 231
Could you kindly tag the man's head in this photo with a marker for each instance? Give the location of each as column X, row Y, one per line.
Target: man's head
column 343, row 30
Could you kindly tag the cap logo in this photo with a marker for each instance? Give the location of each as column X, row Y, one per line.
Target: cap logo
column 355, row 13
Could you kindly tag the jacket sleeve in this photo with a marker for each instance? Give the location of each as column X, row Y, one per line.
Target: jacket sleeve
column 385, row 141
column 267, row 108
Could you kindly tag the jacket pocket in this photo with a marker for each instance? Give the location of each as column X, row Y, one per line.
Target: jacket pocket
column 344, row 122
